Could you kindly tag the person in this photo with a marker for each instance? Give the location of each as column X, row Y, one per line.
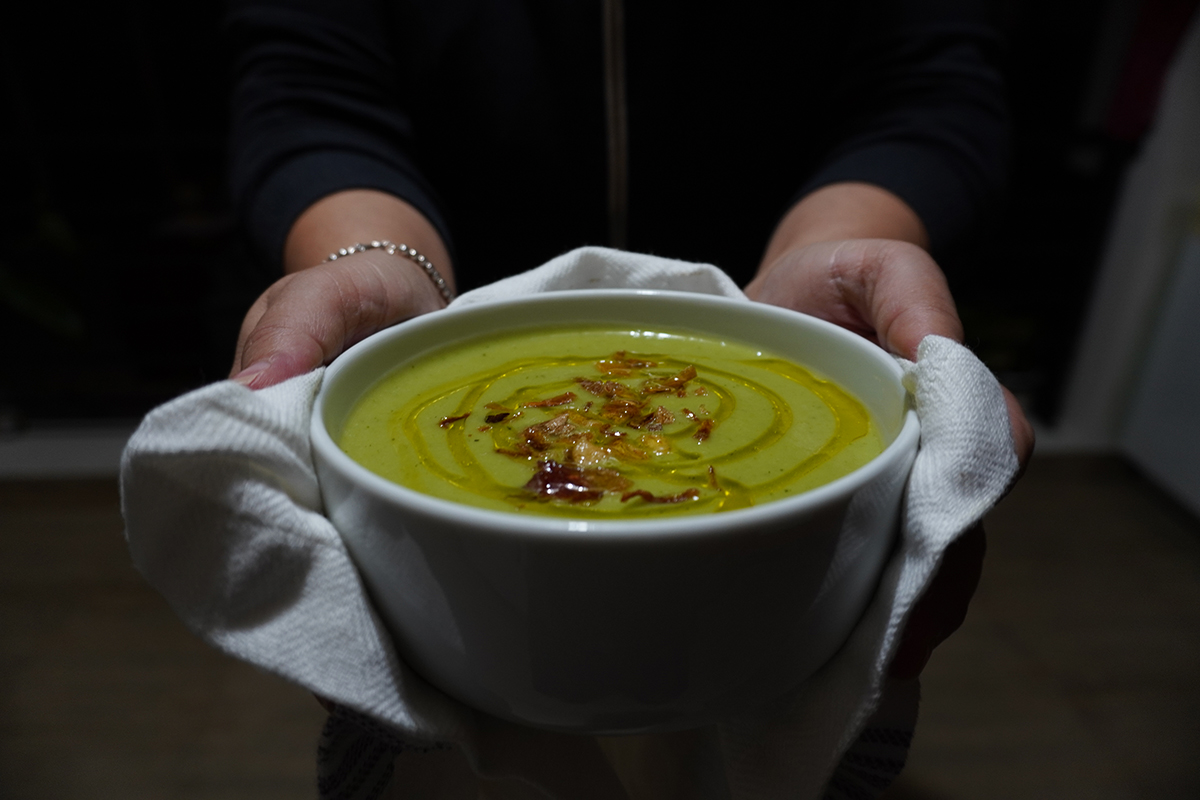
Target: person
column 822, row 153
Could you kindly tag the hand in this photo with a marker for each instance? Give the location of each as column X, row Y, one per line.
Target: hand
column 307, row 318
column 893, row 293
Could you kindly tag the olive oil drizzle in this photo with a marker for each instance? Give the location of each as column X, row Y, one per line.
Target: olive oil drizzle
column 687, row 464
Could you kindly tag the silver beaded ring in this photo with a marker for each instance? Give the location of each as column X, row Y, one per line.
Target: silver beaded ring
column 398, row 249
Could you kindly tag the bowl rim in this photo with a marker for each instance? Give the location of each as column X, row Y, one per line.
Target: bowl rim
column 535, row 526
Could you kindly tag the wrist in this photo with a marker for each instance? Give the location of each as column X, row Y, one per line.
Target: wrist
column 362, row 215
column 403, row 287
column 845, row 211
column 400, row 251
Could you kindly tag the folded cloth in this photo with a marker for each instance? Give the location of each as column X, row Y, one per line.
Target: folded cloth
column 223, row 516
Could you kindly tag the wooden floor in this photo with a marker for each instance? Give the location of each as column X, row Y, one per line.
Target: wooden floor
column 104, row 694
column 1077, row 674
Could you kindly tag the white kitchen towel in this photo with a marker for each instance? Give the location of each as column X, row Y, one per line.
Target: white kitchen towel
column 223, row 517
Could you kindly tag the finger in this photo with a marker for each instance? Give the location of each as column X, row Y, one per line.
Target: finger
column 248, row 324
column 307, row 321
column 903, row 294
column 900, row 291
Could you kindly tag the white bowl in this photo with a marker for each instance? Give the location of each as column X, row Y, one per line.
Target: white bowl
column 636, row 625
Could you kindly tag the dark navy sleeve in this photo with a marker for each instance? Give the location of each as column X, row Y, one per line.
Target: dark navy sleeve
column 908, row 95
column 316, row 109
column 924, row 115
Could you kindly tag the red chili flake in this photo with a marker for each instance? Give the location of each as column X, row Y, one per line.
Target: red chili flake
column 672, row 383
column 712, row 477
column 700, row 391
column 686, row 494
column 447, row 420
column 484, row 428
column 689, row 413
column 492, row 419
column 560, row 400
column 703, row 430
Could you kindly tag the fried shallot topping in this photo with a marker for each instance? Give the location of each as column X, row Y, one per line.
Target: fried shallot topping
column 655, row 419
column 673, row 383
column 620, row 411
column 686, row 494
column 655, row 444
column 499, row 413
column 579, row 451
column 550, row 402
column 573, row 483
column 585, row 454
column 542, row 435
column 621, row 366
column 628, row 452
column 606, row 388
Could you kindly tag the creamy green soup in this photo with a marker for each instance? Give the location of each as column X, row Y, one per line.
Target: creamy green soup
column 608, row 423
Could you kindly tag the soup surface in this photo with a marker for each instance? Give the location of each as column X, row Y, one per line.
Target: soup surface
column 608, row 422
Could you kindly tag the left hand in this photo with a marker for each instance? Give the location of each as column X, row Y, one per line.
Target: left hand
column 893, row 293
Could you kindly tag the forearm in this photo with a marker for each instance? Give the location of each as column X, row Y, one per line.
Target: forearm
column 843, row 211
column 926, row 117
column 316, row 110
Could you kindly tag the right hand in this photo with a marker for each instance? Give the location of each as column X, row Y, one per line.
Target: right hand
column 308, row 318
column 893, row 293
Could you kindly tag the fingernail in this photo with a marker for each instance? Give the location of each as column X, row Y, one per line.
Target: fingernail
column 246, row 377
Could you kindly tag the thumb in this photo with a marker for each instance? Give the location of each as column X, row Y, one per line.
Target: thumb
column 307, row 319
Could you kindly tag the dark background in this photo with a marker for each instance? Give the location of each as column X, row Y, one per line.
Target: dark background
column 123, row 276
